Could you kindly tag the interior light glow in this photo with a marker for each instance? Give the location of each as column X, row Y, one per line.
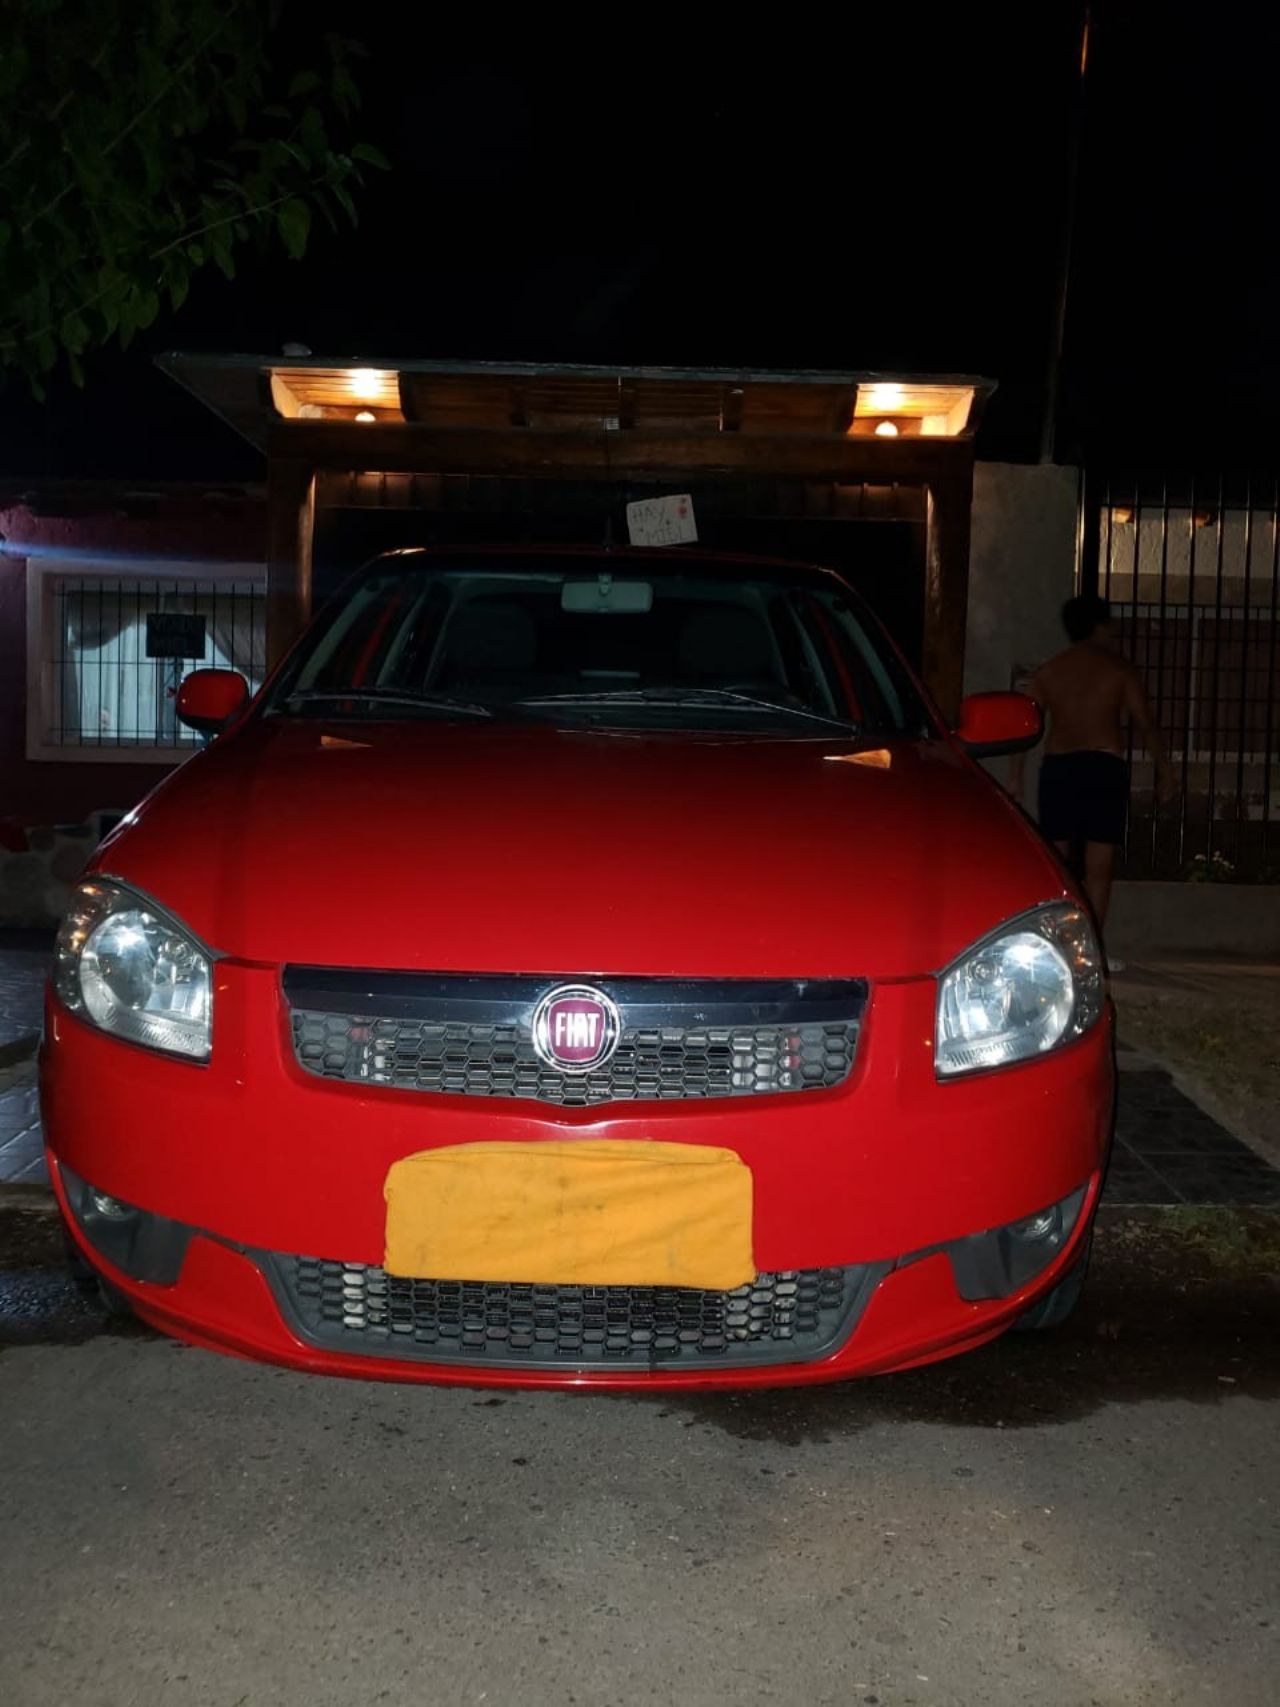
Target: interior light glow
column 365, row 415
column 885, row 398
column 886, row 429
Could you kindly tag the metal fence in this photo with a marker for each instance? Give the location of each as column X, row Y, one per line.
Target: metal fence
column 1192, row 568
column 121, row 646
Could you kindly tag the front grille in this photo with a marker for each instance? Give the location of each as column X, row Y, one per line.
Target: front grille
column 778, row 1318
column 474, row 1037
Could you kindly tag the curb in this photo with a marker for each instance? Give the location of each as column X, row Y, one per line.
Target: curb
column 21, row 1050
column 37, row 1198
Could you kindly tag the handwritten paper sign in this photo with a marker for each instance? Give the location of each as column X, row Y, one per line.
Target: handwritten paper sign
column 662, row 521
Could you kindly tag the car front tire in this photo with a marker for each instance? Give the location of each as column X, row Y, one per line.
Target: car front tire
column 90, row 1284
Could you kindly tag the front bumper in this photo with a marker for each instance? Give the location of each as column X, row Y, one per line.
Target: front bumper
column 881, row 1178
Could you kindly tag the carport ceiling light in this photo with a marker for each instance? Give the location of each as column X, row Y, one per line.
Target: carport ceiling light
column 926, row 411
column 336, row 393
column 370, row 384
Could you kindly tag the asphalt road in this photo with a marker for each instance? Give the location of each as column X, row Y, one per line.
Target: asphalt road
column 1090, row 1518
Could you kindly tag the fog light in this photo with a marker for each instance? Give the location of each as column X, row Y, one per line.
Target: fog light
column 1038, row 1227
column 110, row 1207
column 1000, row 1262
column 142, row 1245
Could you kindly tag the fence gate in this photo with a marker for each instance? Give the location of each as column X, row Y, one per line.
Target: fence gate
column 1192, row 568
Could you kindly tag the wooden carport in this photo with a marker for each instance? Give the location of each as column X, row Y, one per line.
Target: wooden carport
column 393, row 432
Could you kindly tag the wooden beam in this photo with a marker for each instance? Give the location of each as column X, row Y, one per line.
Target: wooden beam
column 946, row 583
column 403, row 447
column 291, row 488
column 731, row 413
column 842, row 413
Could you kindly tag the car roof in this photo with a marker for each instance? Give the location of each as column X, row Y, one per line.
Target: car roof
column 635, row 554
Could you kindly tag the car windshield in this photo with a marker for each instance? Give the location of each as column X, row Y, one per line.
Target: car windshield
column 619, row 640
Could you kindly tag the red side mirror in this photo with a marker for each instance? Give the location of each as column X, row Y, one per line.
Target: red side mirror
column 995, row 723
column 209, row 699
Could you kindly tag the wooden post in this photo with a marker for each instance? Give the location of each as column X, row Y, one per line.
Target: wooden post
column 946, row 579
column 291, row 499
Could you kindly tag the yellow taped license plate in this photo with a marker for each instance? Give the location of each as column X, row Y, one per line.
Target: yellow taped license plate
column 601, row 1212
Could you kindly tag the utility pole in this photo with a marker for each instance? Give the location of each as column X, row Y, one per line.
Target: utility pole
column 1066, row 244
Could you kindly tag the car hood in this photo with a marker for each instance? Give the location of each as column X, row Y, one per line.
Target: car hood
column 521, row 848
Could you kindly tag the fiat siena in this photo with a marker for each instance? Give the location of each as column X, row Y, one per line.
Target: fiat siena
column 582, row 968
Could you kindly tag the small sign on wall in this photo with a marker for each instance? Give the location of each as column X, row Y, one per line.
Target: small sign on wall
column 662, row 521
column 175, row 634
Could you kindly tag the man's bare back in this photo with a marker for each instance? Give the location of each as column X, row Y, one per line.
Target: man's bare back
column 1087, row 691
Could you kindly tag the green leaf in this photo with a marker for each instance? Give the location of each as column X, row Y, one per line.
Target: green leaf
column 344, row 90
column 342, row 196
column 311, row 133
column 304, row 83
column 73, row 332
column 325, row 211
column 294, row 222
column 371, row 156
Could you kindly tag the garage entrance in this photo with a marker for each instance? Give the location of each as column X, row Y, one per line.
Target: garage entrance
column 877, row 536
column 868, row 474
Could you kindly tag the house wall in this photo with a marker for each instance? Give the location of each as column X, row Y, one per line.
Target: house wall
column 49, row 809
column 1022, row 568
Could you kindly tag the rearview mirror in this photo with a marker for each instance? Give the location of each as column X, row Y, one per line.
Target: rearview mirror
column 209, row 699
column 995, row 723
column 603, row 596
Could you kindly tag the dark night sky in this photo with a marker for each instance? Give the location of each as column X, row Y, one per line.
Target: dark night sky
column 891, row 197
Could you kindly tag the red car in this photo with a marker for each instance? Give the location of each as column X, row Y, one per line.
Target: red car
column 582, row 968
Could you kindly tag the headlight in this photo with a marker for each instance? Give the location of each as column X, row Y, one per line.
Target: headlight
column 1033, row 985
column 124, row 966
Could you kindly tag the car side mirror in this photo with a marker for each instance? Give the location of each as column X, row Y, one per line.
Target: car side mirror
column 995, row 723
column 209, row 699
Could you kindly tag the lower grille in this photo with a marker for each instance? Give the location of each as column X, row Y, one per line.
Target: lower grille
column 787, row 1317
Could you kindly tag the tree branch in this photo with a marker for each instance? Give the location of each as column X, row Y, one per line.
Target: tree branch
column 109, row 147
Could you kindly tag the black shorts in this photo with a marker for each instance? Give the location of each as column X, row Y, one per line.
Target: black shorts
column 1084, row 797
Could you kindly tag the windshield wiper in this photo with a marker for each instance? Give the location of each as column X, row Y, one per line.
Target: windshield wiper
column 689, row 697
column 388, row 696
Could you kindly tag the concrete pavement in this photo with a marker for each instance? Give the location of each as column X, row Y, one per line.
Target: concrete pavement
column 1075, row 1520
column 1087, row 1519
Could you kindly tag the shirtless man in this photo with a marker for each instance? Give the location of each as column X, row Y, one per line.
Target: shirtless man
column 1087, row 693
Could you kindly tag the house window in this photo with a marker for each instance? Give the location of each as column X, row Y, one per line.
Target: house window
column 111, row 649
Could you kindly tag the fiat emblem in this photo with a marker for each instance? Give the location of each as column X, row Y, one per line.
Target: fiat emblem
column 575, row 1028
